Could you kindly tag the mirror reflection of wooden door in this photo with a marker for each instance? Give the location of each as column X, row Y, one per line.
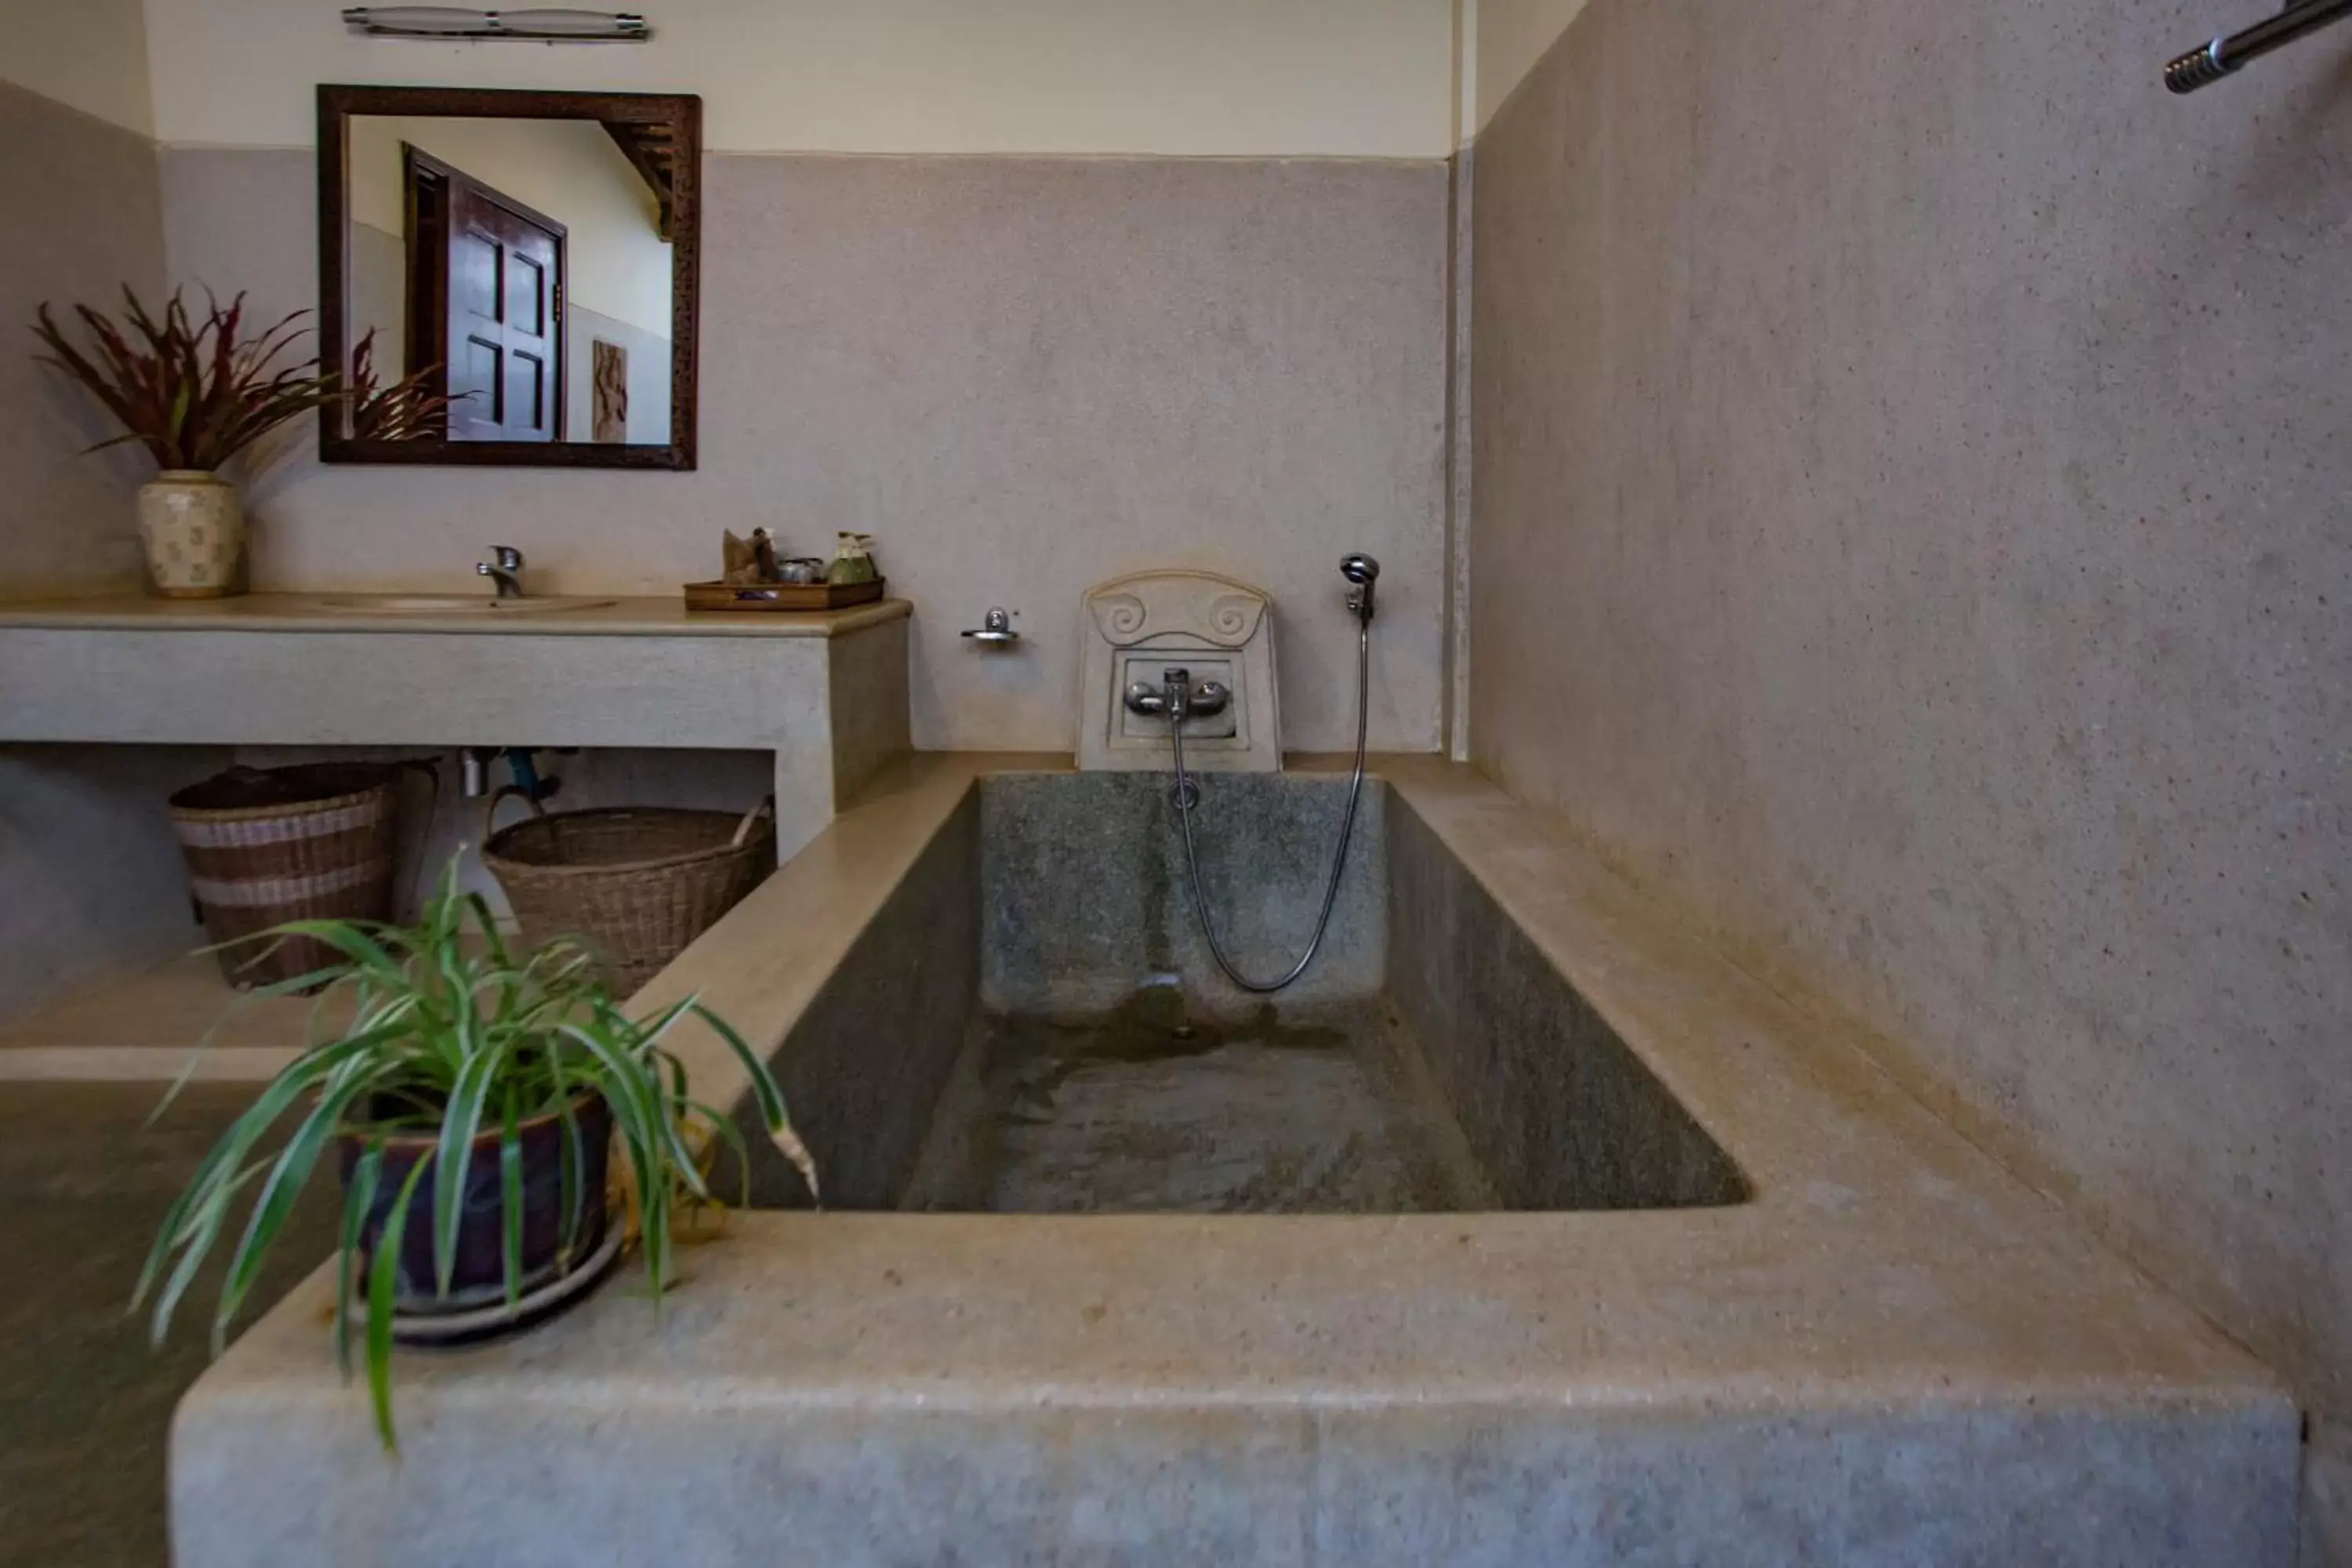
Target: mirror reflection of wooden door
column 485, row 297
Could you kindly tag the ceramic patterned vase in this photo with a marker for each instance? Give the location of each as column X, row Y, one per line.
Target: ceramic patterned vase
column 193, row 525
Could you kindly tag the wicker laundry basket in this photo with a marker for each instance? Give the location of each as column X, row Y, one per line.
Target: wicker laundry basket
column 265, row 845
column 635, row 883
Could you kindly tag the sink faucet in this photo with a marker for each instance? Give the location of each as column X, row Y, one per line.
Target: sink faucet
column 505, row 568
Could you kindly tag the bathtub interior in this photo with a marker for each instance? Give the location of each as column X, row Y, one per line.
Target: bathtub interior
column 1033, row 1024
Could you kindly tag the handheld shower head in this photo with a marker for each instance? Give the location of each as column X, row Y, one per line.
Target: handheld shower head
column 1363, row 571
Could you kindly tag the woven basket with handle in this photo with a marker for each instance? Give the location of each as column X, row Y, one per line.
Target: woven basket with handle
column 265, row 845
column 635, row 883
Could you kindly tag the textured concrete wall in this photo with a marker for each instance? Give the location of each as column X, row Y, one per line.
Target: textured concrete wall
column 82, row 210
column 91, row 883
column 1023, row 375
column 1087, row 893
column 92, row 876
column 1561, row 1112
column 867, row 1063
column 2327, row 1498
column 1910, row 472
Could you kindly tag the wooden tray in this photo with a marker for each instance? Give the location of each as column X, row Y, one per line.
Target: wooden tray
column 782, row 596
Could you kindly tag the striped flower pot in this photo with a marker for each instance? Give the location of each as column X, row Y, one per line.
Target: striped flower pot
column 267, row 845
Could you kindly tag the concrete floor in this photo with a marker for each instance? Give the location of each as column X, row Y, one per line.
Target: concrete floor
column 84, row 1404
column 140, row 1025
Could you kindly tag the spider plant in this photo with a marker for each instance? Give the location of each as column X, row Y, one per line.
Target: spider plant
column 454, row 1035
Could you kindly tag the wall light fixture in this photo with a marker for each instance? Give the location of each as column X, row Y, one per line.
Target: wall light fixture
column 544, row 26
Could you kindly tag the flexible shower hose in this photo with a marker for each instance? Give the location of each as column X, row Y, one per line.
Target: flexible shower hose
column 1187, row 796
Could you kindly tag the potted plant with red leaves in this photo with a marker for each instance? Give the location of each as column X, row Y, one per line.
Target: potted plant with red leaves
column 195, row 392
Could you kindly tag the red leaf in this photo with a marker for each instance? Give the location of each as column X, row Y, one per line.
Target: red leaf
column 195, row 393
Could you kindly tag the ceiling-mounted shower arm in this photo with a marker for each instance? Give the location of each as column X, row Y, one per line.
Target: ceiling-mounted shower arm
column 2202, row 68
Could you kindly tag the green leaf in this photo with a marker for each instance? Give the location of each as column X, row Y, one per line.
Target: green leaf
column 383, row 1275
column 769, row 1098
column 288, row 1177
column 571, row 1161
column 487, row 925
column 641, row 1120
column 460, row 1125
column 176, row 1220
column 510, row 1202
column 194, row 1222
column 365, row 1177
column 243, row 1000
column 355, row 940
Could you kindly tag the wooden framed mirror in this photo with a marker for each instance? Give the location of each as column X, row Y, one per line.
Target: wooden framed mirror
column 509, row 278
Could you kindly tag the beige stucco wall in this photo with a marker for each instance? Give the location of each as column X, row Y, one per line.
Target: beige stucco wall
column 1229, row 77
column 1504, row 40
column 1024, row 376
column 81, row 218
column 1910, row 532
column 90, row 55
column 90, row 879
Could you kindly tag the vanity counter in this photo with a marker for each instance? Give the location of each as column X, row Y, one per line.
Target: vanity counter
column 596, row 616
column 824, row 692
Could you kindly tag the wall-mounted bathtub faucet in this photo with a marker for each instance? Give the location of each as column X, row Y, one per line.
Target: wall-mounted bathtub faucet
column 1363, row 571
column 1178, row 696
column 505, row 568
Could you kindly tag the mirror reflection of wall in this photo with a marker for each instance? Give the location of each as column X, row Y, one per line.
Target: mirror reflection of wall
column 526, row 256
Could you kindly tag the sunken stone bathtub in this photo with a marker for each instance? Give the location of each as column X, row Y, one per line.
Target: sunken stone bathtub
column 1526, row 1230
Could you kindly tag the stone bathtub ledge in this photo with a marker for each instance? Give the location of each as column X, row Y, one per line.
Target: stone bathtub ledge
column 1893, row 1353
column 1483, row 1314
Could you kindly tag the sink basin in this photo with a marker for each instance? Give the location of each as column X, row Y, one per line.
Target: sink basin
column 450, row 605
